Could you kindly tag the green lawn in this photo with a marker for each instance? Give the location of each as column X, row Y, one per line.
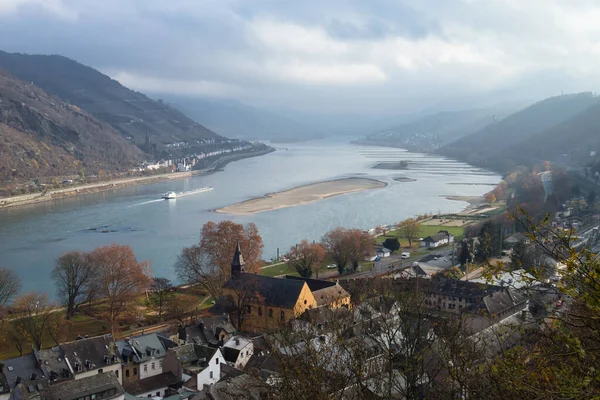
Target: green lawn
column 426, row 230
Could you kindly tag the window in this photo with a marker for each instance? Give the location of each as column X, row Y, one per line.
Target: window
column 270, row 313
column 100, row 371
column 304, row 302
column 150, row 395
column 126, row 373
column 134, row 371
column 93, row 396
column 117, row 373
column 146, row 368
column 153, row 366
column 282, row 316
column 260, row 311
column 211, row 374
column 217, row 361
column 157, row 394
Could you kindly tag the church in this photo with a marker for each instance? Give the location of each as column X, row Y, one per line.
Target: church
column 264, row 304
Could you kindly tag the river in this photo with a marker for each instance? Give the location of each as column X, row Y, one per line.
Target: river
column 31, row 238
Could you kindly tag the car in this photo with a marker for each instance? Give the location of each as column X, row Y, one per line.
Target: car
column 405, row 255
column 377, row 258
column 331, row 266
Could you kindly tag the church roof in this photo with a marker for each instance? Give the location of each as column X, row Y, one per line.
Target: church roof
column 275, row 292
column 238, row 260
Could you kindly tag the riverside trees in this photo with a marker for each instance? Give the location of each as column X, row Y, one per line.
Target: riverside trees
column 75, row 277
column 347, row 247
column 306, row 258
column 208, row 264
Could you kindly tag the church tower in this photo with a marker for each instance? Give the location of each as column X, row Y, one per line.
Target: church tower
column 237, row 265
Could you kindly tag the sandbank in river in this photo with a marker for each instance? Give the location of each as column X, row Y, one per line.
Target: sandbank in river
column 302, row 195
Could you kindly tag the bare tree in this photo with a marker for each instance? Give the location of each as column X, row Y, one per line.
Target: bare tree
column 35, row 314
column 409, row 229
column 208, row 264
column 76, row 280
column 161, row 291
column 306, row 257
column 347, row 246
column 121, row 279
column 10, row 284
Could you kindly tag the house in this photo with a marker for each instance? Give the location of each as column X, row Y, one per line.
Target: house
column 196, row 365
column 99, row 386
column 213, row 331
column 383, row 252
column 91, row 356
column 156, row 386
column 441, row 238
column 239, row 387
column 516, row 238
column 20, row 370
column 142, row 356
column 237, row 351
column 326, row 293
column 267, row 302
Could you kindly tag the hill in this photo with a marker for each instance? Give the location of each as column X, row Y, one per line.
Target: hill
column 494, row 146
column 133, row 114
column 237, row 120
column 429, row 132
column 41, row 136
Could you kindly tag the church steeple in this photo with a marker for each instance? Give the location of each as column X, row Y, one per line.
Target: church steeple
column 237, row 265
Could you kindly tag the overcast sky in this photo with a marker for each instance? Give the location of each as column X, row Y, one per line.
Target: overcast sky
column 329, row 55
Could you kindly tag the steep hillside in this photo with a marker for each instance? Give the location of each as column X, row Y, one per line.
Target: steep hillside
column 40, row 136
column 131, row 113
column 430, row 132
column 237, row 120
column 493, row 146
column 570, row 141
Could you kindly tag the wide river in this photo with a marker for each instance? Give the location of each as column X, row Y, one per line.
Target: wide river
column 31, row 238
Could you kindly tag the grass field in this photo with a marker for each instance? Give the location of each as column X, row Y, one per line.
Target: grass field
column 426, row 230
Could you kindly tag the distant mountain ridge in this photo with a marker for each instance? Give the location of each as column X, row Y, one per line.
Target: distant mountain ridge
column 236, row 120
column 515, row 139
column 41, row 136
column 133, row 114
column 429, row 132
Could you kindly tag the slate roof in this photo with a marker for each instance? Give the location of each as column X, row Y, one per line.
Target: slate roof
column 145, row 347
column 80, row 388
column 275, row 292
column 452, row 287
column 53, row 364
column 436, row 237
column 517, row 237
column 313, row 284
column 206, row 331
column 504, row 300
column 328, row 295
column 140, row 386
column 21, row 368
column 191, row 356
column 90, row 353
column 33, row 390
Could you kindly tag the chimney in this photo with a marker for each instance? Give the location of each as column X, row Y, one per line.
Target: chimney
column 237, row 341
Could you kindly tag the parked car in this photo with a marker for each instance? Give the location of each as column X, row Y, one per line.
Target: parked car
column 405, row 255
column 331, row 266
column 377, row 258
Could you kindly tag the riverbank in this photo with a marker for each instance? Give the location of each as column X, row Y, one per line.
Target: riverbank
column 81, row 190
column 302, row 195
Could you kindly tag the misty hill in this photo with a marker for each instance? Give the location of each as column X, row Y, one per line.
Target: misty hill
column 494, row 146
column 41, row 136
column 237, row 120
column 430, row 132
column 131, row 113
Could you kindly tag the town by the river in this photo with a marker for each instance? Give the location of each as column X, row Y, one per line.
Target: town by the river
column 32, row 237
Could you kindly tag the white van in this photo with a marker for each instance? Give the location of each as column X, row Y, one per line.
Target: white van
column 405, row 255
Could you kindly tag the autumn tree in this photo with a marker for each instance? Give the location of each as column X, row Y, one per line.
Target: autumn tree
column 359, row 244
column 10, row 284
column 208, row 264
column 409, row 229
column 490, row 197
column 333, row 242
column 121, row 279
column 160, row 292
column 306, row 258
column 76, row 280
column 36, row 316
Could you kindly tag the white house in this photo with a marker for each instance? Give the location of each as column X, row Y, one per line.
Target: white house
column 383, row 252
column 148, row 352
column 237, row 351
column 200, row 364
column 91, row 356
column 441, row 238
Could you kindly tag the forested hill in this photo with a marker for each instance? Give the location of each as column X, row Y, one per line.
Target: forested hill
column 237, row 120
column 515, row 139
column 41, row 136
column 131, row 113
column 430, row 132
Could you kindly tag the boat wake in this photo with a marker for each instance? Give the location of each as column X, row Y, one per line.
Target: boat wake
column 145, row 202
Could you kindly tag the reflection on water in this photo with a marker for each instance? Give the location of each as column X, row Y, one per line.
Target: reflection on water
column 31, row 238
